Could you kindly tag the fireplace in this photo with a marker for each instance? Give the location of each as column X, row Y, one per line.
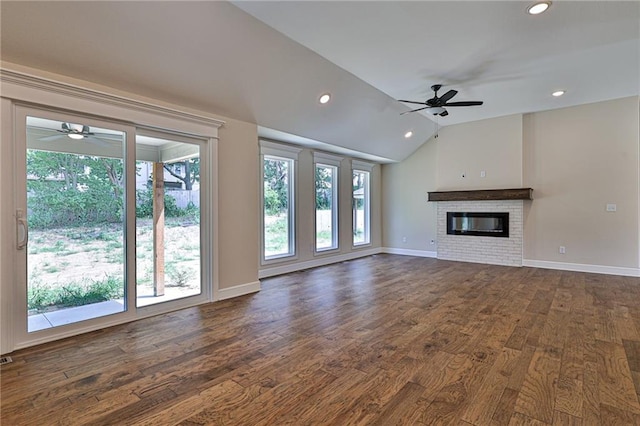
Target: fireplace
column 486, row 224
column 467, row 247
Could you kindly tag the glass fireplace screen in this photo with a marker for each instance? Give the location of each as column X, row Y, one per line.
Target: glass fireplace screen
column 487, row 224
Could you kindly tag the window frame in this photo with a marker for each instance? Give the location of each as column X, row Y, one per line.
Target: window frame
column 361, row 167
column 282, row 152
column 321, row 159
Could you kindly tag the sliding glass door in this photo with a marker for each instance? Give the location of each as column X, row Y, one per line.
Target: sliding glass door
column 74, row 214
column 108, row 222
column 168, row 247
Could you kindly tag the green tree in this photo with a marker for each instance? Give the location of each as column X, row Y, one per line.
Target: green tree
column 188, row 171
column 324, row 183
column 66, row 188
column 276, row 185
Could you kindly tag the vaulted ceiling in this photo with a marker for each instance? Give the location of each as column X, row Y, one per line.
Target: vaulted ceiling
column 268, row 62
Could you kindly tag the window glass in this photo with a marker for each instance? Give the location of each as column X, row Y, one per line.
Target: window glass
column 326, row 207
column 360, row 207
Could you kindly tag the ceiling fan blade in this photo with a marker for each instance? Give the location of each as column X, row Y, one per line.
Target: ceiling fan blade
column 464, row 103
column 96, row 141
column 414, row 110
column 51, row 138
column 450, row 94
column 414, row 102
column 443, row 113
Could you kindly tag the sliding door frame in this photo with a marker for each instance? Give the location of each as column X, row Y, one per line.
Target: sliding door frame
column 22, row 91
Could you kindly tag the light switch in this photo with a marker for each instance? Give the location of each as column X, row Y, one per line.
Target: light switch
column 611, row 207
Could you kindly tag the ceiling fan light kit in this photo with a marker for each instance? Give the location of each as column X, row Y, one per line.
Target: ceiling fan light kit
column 77, row 132
column 435, row 105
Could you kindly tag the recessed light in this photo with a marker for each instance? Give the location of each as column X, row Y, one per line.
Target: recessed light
column 538, row 8
column 408, row 134
column 558, row 93
column 325, row 98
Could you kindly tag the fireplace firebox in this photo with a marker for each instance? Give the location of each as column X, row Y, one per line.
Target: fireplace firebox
column 487, row 224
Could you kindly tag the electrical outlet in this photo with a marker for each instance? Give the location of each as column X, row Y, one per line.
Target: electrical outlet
column 612, row 207
column 483, row 174
column 404, row 239
column 562, row 250
column 433, row 242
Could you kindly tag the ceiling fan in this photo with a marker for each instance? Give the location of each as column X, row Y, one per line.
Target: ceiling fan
column 436, row 104
column 77, row 132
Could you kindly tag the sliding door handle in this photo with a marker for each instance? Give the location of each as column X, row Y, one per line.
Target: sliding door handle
column 22, row 230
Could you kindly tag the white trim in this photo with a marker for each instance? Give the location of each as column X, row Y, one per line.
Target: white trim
column 7, row 227
column 361, row 165
column 279, row 150
column 410, row 252
column 31, row 88
column 327, row 159
column 580, row 267
column 238, row 290
column 321, row 261
column 292, row 218
column 212, row 230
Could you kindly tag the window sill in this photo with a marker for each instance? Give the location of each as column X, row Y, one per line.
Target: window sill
column 278, row 259
column 325, row 252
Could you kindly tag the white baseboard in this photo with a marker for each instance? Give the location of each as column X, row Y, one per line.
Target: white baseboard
column 579, row 267
column 320, row 261
column 238, row 290
column 410, row 252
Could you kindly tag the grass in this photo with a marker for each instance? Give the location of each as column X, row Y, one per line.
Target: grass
column 276, row 236
column 44, row 297
column 64, row 262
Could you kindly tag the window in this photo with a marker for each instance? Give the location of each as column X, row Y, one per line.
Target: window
column 326, row 201
column 278, row 200
column 361, row 203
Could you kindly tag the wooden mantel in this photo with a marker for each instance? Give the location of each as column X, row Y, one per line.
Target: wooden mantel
column 483, row 194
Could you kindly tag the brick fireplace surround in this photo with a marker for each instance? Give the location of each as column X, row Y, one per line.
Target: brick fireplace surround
column 482, row 249
column 479, row 249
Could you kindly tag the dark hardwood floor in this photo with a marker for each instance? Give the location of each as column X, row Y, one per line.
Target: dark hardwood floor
column 382, row 340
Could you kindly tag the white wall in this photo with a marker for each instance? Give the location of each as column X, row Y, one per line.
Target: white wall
column 405, row 210
column 493, row 146
column 576, row 159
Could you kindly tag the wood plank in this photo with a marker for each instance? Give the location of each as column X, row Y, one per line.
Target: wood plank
column 615, row 384
column 591, row 395
column 569, row 397
column 483, row 194
column 563, row 419
column 396, row 410
column 632, row 351
column 504, row 410
column 487, row 399
column 537, row 395
column 519, row 419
